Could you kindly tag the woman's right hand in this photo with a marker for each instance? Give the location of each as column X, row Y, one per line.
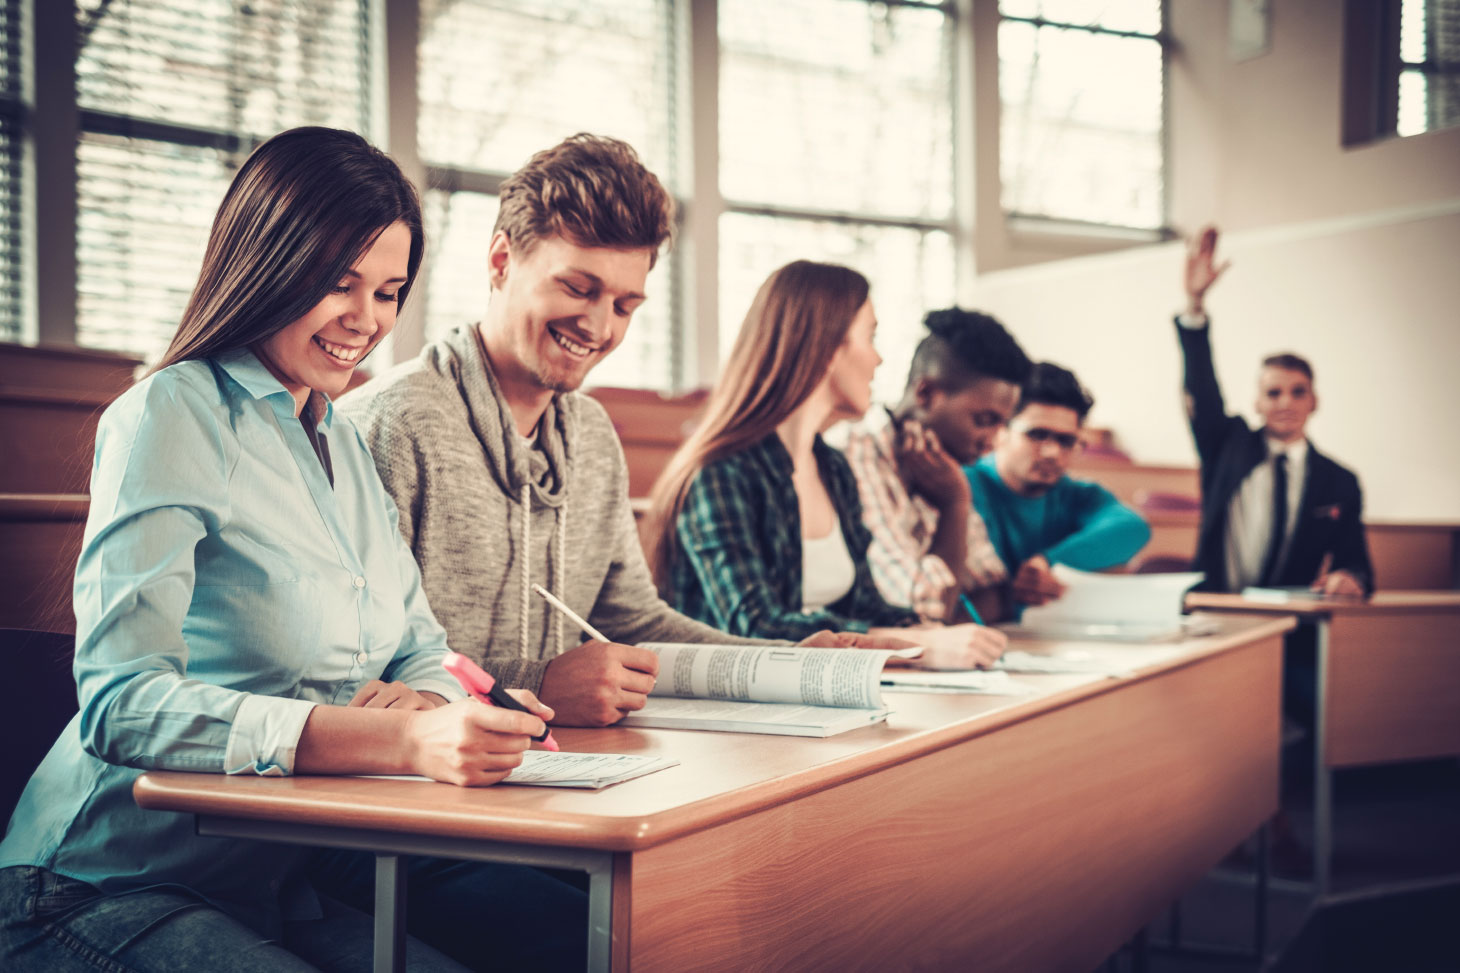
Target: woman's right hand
column 471, row 743
column 966, row 646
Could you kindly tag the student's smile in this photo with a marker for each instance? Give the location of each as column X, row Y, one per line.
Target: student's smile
column 319, row 351
column 577, row 347
column 343, row 355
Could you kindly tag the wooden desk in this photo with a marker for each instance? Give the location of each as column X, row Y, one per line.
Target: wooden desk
column 1388, row 685
column 1002, row 833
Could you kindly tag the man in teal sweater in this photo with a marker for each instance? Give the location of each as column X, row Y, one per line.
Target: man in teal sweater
column 1037, row 515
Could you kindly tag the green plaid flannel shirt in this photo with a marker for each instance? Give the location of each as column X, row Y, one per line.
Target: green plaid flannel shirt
column 738, row 562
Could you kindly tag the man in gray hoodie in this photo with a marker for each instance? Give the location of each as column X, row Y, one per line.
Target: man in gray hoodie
column 504, row 475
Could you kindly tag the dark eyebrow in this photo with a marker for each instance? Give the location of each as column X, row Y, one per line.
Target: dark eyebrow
column 352, row 272
column 598, row 282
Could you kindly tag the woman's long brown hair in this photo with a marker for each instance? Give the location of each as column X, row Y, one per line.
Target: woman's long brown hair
column 799, row 317
column 300, row 211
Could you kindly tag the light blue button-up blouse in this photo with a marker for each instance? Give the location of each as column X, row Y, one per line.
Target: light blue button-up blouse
column 224, row 589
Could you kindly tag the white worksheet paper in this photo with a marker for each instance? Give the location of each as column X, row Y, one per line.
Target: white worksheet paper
column 1111, row 606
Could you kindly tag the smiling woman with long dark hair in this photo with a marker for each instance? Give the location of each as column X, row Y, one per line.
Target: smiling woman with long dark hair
column 245, row 605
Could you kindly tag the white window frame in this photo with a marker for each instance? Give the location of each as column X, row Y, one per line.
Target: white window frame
column 989, row 18
column 56, row 124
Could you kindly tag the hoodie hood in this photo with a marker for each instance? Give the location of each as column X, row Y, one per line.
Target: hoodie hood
column 541, row 463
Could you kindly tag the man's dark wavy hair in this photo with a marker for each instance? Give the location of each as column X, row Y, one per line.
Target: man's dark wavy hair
column 1049, row 384
column 963, row 347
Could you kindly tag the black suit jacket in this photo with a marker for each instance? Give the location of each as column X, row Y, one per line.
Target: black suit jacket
column 1330, row 513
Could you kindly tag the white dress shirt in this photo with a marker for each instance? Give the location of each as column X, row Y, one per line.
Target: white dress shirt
column 1249, row 513
column 225, row 588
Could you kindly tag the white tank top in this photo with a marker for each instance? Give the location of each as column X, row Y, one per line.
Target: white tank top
column 827, row 571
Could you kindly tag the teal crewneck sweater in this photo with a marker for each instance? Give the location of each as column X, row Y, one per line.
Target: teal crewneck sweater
column 1077, row 523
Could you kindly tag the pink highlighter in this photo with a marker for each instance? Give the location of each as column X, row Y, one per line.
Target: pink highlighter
column 481, row 685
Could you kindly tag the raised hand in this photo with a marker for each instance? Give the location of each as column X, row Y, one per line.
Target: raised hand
column 1202, row 269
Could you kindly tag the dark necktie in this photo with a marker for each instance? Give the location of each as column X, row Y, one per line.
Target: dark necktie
column 1279, row 519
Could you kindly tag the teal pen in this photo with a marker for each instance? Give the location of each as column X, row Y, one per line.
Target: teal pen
column 968, row 607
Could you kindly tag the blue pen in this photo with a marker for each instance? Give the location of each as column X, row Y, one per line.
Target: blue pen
column 968, row 607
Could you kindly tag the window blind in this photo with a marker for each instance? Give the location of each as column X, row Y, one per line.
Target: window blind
column 1429, row 69
column 502, row 79
column 831, row 105
column 11, row 188
column 1080, row 134
column 173, row 94
column 836, row 144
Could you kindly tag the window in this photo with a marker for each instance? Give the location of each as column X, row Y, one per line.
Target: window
column 1081, row 89
column 832, row 138
column 836, row 144
column 11, row 113
column 1429, row 66
column 500, row 81
column 172, row 95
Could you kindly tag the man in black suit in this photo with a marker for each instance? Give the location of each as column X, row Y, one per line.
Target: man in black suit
column 1274, row 510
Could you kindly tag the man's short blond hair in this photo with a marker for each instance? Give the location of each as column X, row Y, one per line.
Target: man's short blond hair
column 590, row 189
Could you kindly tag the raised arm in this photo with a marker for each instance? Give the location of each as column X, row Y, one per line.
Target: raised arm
column 1207, row 412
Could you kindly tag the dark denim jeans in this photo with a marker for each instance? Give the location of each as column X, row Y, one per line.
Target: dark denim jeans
column 56, row 924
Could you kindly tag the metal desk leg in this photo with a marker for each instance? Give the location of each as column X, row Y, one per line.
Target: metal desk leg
column 600, row 913
column 1322, row 776
column 390, row 914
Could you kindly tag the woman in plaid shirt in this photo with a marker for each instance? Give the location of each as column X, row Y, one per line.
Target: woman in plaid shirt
column 756, row 525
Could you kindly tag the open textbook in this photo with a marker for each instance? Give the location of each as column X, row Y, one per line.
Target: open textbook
column 765, row 689
column 1119, row 607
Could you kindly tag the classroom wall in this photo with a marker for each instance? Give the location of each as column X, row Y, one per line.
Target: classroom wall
column 1348, row 256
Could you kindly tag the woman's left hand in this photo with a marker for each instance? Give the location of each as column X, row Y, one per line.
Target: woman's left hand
column 378, row 694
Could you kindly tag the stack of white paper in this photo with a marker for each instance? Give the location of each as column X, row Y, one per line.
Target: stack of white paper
column 1120, row 607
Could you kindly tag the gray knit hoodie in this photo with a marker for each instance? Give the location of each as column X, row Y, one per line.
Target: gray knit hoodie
column 488, row 513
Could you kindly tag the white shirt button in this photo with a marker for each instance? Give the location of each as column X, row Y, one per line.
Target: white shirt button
column 360, row 658
column 359, row 581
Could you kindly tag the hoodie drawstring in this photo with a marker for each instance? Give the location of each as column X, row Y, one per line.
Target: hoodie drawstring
column 558, row 580
column 526, row 568
column 560, row 571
